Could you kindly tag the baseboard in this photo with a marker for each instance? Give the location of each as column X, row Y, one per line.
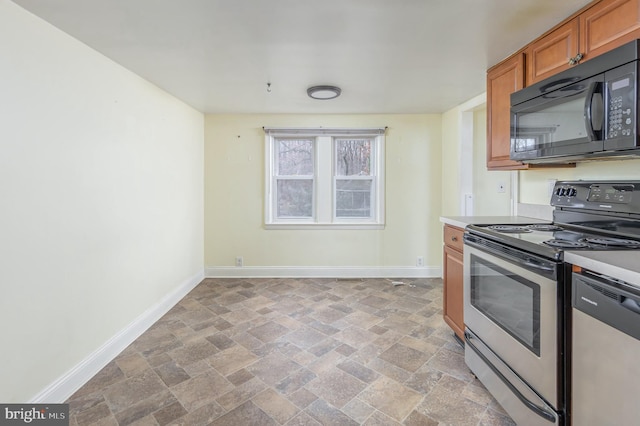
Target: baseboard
column 322, row 272
column 65, row 386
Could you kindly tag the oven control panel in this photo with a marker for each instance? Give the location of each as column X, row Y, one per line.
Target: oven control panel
column 565, row 191
column 610, row 193
column 611, row 196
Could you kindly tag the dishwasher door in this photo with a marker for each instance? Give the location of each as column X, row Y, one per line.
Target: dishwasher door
column 605, row 351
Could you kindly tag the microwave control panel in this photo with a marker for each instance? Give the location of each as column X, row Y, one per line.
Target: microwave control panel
column 620, row 108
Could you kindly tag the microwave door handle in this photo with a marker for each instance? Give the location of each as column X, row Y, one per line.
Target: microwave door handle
column 593, row 115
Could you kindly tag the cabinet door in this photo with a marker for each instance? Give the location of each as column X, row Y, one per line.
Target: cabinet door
column 609, row 24
column 452, row 290
column 502, row 81
column 551, row 54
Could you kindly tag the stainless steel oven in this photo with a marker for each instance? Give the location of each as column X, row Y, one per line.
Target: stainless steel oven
column 512, row 300
column 517, row 295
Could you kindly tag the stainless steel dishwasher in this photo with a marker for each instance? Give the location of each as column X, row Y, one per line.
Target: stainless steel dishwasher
column 605, row 351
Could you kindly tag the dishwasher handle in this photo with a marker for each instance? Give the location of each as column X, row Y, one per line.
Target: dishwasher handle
column 630, row 304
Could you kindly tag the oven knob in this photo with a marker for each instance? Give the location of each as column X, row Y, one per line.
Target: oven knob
column 571, row 192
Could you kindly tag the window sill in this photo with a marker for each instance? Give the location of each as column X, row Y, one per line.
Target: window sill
column 319, row 226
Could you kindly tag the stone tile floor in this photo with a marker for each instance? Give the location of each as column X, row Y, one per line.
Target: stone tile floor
column 293, row 352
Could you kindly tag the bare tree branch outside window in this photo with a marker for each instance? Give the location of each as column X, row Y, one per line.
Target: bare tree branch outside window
column 353, row 157
column 295, row 157
column 329, row 177
column 353, row 196
column 295, row 170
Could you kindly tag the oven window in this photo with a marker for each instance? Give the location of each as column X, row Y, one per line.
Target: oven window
column 509, row 300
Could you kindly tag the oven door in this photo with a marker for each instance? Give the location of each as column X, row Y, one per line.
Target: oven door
column 511, row 310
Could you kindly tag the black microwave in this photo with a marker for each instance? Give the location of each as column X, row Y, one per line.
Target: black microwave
column 586, row 112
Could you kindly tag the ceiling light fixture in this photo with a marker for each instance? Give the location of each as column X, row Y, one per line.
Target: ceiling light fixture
column 324, row 92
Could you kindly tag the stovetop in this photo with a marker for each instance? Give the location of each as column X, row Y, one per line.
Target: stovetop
column 588, row 215
column 551, row 240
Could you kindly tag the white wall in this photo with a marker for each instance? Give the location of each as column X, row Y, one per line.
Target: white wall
column 101, row 182
column 234, row 212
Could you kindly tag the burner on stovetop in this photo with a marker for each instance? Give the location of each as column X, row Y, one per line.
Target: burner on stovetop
column 565, row 244
column 510, row 229
column 544, row 227
column 611, row 242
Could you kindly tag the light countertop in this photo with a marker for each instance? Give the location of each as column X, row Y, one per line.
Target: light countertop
column 622, row 265
column 463, row 221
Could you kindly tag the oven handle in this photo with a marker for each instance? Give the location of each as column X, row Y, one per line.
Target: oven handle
column 536, row 264
column 539, row 266
column 540, row 411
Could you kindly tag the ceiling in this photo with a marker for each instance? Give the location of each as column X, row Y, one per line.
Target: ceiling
column 388, row 56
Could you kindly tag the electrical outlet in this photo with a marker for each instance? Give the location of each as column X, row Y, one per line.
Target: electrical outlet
column 239, row 261
column 420, row 261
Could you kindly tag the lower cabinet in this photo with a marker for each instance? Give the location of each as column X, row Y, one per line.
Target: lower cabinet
column 452, row 277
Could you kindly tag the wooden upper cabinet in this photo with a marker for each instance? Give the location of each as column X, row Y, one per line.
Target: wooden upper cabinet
column 607, row 25
column 502, row 80
column 551, row 54
column 596, row 30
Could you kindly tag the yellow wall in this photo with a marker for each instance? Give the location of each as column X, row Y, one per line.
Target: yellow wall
column 234, row 197
column 534, row 183
column 486, row 198
column 107, row 208
column 101, row 184
column 450, row 201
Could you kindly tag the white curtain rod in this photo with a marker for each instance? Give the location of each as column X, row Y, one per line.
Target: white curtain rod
column 323, row 131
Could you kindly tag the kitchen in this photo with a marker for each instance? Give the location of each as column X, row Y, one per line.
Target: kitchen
column 115, row 203
column 530, row 307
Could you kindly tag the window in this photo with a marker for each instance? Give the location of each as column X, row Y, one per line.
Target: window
column 324, row 178
column 294, row 178
column 353, row 180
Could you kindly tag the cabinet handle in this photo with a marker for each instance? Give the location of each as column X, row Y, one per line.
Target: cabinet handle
column 454, row 238
column 576, row 59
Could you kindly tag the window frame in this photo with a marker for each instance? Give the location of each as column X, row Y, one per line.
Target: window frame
column 325, row 179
